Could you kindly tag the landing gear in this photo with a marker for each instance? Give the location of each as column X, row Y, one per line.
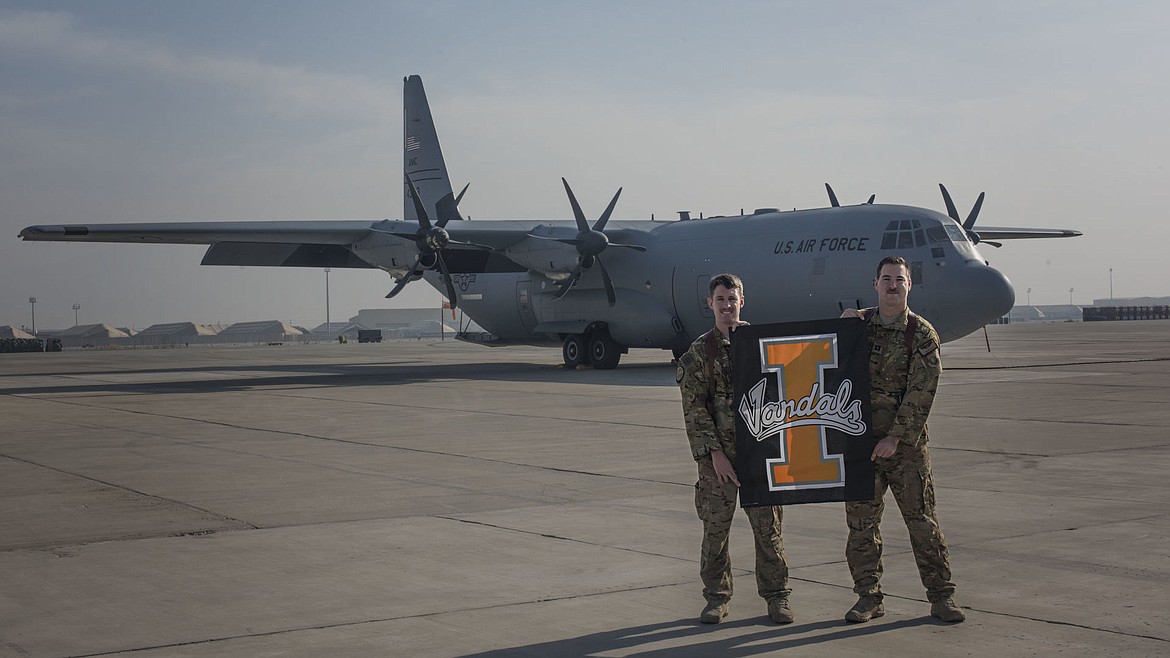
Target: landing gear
column 574, row 351
column 592, row 348
column 604, row 353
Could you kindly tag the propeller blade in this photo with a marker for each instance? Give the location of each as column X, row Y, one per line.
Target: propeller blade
column 474, row 245
column 609, row 293
column 871, row 198
column 571, row 281
column 974, row 212
column 406, row 278
column 629, row 246
column 951, row 210
column 600, row 225
column 994, row 244
column 832, row 197
column 578, row 215
column 451, row 296
column 421, row 211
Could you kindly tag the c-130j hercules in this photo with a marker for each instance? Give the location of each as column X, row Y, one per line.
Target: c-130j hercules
column 598, row 289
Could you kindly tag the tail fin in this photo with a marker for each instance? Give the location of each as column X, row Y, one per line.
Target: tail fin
column 422, row 158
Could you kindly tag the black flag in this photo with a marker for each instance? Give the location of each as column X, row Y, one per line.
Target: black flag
column 802, row 412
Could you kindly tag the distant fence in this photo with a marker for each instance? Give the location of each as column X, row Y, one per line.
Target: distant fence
column 1104, row 313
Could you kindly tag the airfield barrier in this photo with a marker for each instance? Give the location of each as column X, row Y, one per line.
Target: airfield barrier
column 10, row 345
column 1109, row 313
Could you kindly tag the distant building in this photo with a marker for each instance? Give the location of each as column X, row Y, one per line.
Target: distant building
column 334, row 329
column 393, row 321
column 92, row 335
column 177, row 333
column 264, row 331
column 1046, row 313
column 8, row 331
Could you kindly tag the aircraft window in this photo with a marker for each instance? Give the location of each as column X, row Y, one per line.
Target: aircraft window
column 937, row 235
column 818, row 266
column 905, row 225
column 919, row 237
column 889, row 239
column 892, row 226
column 916, row 273
column 937, row 252
column 915, row 223
column 957, row 234
column 905, row 240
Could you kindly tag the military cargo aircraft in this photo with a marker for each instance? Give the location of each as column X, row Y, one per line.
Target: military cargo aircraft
column 599, row 288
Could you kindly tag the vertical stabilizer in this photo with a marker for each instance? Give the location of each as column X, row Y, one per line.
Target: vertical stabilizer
column 422, row 158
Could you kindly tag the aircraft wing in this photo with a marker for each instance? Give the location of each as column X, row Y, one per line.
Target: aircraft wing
column 1011, row 233
column 272, row 244
column 315, row 232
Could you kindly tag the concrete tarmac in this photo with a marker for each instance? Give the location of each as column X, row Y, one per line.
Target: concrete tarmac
column 444, row 499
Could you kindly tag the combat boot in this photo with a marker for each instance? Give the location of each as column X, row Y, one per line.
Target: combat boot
column 867, row 607
column 779, row 612
column 714, row 612
column 946, row 610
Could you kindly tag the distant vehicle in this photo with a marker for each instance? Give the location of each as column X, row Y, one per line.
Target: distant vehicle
column 369, row 335
column 598, row 290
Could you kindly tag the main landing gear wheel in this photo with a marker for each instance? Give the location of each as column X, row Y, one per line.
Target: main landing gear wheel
column 574, row 351
column 604, row 353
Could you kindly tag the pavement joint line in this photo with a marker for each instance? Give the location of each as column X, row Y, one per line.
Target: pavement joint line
column 1059, row 365
column 349, row 624
column 367, row 444
column 128, row 489
column 566, row 539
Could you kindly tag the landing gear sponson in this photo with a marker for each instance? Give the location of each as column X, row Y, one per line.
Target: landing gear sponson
column 594, row 348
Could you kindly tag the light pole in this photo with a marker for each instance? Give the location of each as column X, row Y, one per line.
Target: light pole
column 327, row 326
column 76, row 307
column 1070, row 291
column 32, row 302
column 1111, row 284
column 1029, row 296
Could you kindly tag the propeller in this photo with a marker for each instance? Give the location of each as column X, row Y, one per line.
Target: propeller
column 837, row 204
column 969, row 223
column 590, row 242
column 430, row 239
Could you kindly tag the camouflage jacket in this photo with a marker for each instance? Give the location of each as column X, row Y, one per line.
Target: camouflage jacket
column 715, row 429
column 902, row 394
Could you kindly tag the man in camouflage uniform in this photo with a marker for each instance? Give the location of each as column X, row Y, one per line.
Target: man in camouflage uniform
column 904, row 368
column 704, row 376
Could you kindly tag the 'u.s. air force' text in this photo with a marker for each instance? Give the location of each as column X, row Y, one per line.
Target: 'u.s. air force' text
column 820, row 244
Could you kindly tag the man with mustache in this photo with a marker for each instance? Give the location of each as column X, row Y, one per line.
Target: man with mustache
column 904, row 367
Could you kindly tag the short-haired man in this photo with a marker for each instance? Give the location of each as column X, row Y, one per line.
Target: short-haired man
column 904, row 368
column 704, row 377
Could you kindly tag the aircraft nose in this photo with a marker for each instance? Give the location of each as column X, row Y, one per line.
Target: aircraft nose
column 991, row 288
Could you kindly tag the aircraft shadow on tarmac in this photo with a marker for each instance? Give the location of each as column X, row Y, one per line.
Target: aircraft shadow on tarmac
column 340, row 375
column 641, row 640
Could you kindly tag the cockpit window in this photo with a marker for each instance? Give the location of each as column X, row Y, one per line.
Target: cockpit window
column 903, row 234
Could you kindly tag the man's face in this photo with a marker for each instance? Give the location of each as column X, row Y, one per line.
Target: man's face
column 725, row 303
column 892, row 286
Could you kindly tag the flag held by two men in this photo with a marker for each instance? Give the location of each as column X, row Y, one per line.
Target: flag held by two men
column 803, row 430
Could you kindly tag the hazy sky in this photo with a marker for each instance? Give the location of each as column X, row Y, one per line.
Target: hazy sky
column 165, row 111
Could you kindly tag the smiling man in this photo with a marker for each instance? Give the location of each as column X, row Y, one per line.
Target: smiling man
column 904, row 367
column 704, row 377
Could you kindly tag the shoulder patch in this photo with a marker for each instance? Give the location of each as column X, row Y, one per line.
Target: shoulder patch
column 685, row 362
column 928, row 347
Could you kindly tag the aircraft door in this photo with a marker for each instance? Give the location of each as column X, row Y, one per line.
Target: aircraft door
column 524, row 306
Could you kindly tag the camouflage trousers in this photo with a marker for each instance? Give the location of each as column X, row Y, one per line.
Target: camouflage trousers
column 907, row 473
column 715, row 504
